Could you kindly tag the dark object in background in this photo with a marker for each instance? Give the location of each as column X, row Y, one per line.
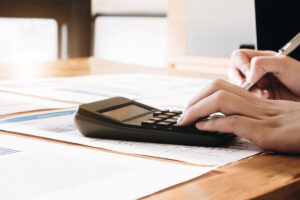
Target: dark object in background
column 277, row 22
column 247, row 46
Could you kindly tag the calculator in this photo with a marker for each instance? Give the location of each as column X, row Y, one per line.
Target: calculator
column 120, row 118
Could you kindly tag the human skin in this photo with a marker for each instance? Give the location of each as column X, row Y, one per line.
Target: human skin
column 268, row 115
column 281, row 74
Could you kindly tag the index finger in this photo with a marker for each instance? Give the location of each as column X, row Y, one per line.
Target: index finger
column 242, row 126
column 221, row 101
column 242, row 58
column 220, row 85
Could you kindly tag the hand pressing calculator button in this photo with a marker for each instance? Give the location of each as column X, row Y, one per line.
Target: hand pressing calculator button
column 124, row 119
column 165, row 121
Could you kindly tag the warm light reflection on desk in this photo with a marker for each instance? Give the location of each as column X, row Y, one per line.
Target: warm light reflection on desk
column 25, row 71
column 61, row 68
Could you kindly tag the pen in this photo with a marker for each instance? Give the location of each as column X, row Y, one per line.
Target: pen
column 284, row 51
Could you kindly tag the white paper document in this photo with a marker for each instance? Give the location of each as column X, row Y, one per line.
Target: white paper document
column 37, row 170
column 60, row 125
column 97, row 87
column 12, row 103
column 169, row 101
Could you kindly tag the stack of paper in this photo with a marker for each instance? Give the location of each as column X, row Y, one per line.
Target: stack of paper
column 60, row 125
column 97, row 174
column 33, row 169
column 93, row 88
column 12, row 103
column 146, row 88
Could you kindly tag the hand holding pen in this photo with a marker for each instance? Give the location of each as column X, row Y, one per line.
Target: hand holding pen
column 268, row 74
column 271, row 122
column 284, row 51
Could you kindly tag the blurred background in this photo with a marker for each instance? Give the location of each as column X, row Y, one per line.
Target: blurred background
column 144, row 32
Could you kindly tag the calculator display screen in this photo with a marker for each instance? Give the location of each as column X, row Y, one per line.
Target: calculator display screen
column 126, row 112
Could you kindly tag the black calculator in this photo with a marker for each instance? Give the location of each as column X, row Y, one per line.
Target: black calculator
column 124, row 119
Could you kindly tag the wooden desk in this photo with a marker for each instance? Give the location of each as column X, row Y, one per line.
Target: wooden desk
column 265, row 176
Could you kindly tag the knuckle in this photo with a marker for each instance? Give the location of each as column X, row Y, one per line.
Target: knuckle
column 221, row 101
column 221, row 95
column 256, row 62
column 261, row 137
column 269, row 112
column 285, row 60
column 217, row 84
column 236, row 53
column 233, row 74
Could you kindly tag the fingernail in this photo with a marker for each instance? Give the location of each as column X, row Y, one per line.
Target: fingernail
column 199, row 125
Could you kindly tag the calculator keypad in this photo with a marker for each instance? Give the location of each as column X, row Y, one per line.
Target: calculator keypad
column 165, row 119
column 157, row 113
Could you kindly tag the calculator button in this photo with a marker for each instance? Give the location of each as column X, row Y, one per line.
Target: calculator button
column 171, row 120
column 148, row 123
column 163, row 124
column 178, row 112
column 170, row 114
column 157, row 113
column 156, row 119
column 163, row 116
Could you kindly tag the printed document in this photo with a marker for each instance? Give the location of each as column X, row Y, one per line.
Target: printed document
column 59, row 125
column 12, row 103
column 169, row 101
column 86, row 89
column 37, row 170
